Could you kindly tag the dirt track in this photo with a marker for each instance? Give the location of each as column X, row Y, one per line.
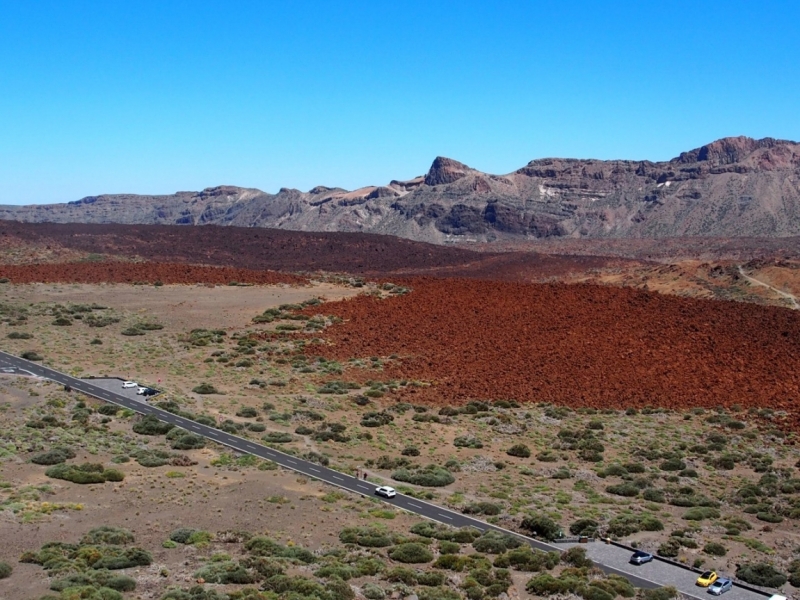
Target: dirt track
column 575, row 344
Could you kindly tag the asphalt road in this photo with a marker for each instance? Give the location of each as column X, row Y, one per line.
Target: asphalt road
column 610, row 561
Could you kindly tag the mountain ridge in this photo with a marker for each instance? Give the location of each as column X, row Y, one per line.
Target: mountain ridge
column 732, row 187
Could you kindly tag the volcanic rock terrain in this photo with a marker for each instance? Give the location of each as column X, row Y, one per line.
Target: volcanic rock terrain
column 730, row 188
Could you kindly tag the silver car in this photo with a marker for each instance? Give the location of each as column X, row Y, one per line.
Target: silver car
column 720, row 586
column 386, row 491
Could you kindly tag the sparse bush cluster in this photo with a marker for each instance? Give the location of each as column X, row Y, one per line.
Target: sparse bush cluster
column 86, row 473
column 428, row 476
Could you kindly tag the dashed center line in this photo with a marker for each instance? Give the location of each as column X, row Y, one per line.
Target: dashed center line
column 212, row 433
column 313, row 469
column 445, row 516
column 414, row 505
column 294, row 462
column 336, row 477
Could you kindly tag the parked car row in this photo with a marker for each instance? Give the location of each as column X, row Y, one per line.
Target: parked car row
column 708, row 579
column 140, row 390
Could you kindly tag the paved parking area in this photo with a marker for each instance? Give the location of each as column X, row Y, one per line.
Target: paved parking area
column 661, row 572
column 114, row 384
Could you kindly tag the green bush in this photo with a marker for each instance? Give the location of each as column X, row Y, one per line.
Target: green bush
column 150, row 425
column 5, row 570
column 278, row 437
column 626, row 489
column 672, row 464
column 86, row 473
column 247, row 412
column 670, row 548
column 762, row 574
column 715, row 549
column 411, row 552
column 428, row 476
column 482, row 508
column 664, row 593
column 31, row 355
column 119, row 558
column 519, row 450
column 188, row 441
column 587, row 527
column 205, row 388
column 467, row 441
column 105, row 535
column 769, row 517
column 367, row 537
column 653, row 495
column 226, row 572
column 623, row 525
column 542, row 526
column 19, row 335
column 54, row 456
column 446, row 547
column 494, row 542
column 576, row 557
column 410, row 451
column 699, row 513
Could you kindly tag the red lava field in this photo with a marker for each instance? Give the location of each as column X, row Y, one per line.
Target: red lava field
column 125, row 272
column 578, row 345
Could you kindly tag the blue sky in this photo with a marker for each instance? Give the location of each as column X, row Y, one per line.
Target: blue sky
column 155, row 97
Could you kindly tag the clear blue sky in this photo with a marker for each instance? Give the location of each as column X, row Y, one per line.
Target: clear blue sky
column 155, row 97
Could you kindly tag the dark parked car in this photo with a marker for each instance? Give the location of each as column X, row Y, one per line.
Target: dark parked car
column 639, row 558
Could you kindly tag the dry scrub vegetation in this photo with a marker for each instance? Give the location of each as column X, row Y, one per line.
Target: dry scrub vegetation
column 187, row 519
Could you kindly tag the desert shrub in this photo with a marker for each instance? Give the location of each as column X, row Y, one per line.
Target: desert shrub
column 547, row 456
column 494, row 542
column 670, row 548
column 62, row 322
column 562, row 473
column 762, row 574
column 613, row 471
column 106, row 535
column 769, row 516
column 576, row 557
column 376, row 419
column 401, row 575
column 519, row 450
column 247, row 412
column 623, row 525
column 150, row 425
column 650, row 523
column 367, row 537
column 86, row 473
column 108, row 409
column 373, row 591
column 664, row 593
column 715, row 549
column 430, row 578
column 182, row 535
column 482, row 508
column 525, row 558
column 31, row 355
column 54, row 456
column 152, row 458
column 19, row 335
column 672, row 464
column 225, row 572
column 447, row 547
column 5, row 570
column 303, row 430
column 542, row 526
column 699, row 513
column 626, row 489
column 256, row 427
column 411, row 552
column 410, row 451
column 123, row 558
column 205, row 388
column 546, row 585
column 188, row 441
column 653, row 495
column 586, row 527
column 467, row 441
column 278, row 437
column 428, row 476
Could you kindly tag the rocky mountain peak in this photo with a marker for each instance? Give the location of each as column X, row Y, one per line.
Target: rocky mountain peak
column 445, row 170
column 729, row 150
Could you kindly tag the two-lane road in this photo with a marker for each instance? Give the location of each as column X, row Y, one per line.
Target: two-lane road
column 611, row 561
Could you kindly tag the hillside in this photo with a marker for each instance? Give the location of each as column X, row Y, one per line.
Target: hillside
column 733, row 187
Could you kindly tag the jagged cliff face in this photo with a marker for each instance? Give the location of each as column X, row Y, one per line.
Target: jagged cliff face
column 731, row 187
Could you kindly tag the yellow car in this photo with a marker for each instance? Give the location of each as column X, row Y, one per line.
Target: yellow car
column 707, row 578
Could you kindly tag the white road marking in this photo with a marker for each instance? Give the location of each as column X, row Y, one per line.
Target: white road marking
column 313, row 469
column 414, row 505
column 251, row 446
column 335, row 477
column 294, row 462
column 445, row 516
column 212, row 433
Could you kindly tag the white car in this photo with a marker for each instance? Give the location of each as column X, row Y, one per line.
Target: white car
column 141, row 391
column 385, row 491
column 129, row 384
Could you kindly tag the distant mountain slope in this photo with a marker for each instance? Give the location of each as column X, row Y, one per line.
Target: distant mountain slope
column 730, row 188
